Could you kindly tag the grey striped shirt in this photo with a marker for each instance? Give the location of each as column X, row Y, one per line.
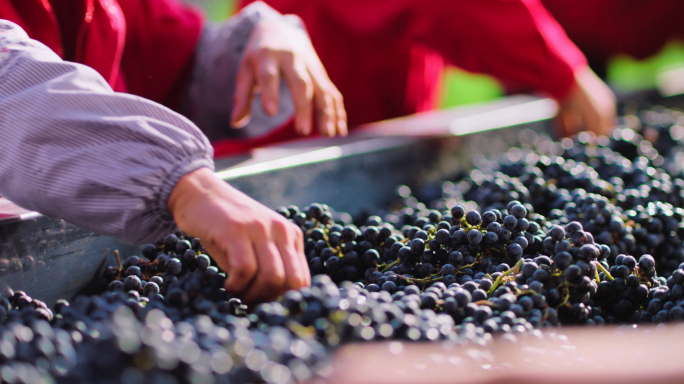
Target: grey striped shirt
column 72, row 148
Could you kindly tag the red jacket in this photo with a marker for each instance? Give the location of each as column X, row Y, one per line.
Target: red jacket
column 386, row 56
column 605, row 28
column 141, row 47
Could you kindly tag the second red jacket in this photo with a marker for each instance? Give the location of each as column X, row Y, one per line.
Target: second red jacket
column 141, row 47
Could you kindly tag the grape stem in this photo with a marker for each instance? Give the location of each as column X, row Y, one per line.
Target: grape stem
column 515, row 269
column 390, row 265
column 521, row 292
column 422, row 281
column 300, row 330
column 565, row 300
column 604, row 270
column 566, row 291
column 487, row 303
column 118, row 262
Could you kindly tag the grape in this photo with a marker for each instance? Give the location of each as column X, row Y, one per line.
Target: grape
column 132, row 283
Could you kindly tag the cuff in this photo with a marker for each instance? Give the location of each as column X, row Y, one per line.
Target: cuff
column 171, row 178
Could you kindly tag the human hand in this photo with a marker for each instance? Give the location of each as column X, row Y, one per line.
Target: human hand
column 261, row 251
column 590, row 105
column 278, row 49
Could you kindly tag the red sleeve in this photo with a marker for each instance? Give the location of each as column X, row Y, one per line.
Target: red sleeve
column 602, row 29
column 161, row 36
column 516, row 41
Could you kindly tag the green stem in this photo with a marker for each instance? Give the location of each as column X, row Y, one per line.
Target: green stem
column 460, row 269
column 423, row 281
column 390, row 265
column 486, row 302
column 565, row 300
column 521, row 292
column 604, row 270
column 515, row 269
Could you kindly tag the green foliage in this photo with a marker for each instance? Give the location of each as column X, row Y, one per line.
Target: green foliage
column 630, row 74
column 460, row 87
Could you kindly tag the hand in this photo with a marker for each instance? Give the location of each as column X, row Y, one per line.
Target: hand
column 278, row 49
column 590, row 106
column 261, row 251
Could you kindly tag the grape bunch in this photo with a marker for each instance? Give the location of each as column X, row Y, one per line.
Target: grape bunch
column 177, row 272
column 165, row 317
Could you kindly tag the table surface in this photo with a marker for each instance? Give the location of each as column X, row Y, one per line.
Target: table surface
column 596, row 355
column 10, row 211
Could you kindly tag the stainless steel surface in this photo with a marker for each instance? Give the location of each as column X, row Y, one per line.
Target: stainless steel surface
column 359, row 173
column 51, row 259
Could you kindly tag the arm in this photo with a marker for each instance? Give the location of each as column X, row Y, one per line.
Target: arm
column 520, row 42
column 74, row 149
column 126, row 167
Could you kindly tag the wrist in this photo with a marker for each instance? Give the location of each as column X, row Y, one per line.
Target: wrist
column 196, row 183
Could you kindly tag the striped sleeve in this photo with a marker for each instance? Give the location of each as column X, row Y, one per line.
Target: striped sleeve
column 72, row 148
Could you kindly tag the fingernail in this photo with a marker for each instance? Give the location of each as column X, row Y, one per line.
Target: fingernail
column 241, row 123
column 271, row 108
column 306, row 126
column 343, row 127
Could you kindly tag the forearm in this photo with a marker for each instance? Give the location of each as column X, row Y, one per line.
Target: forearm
column 516, row 41
column 74, row 149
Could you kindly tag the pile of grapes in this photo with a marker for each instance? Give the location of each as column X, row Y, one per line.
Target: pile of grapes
column 588, row 231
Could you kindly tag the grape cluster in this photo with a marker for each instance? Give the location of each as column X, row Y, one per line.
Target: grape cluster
column 458, row 263
column 165, row 318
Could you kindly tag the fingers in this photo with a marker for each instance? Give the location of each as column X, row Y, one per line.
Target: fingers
column 263, row 257
column 276, row 50
column 329, row 103
column 325, row 113
column 330, row 113
column 243, row 97
column 268, row 79
column 608, row 117
column 241, row 263
column 568, row 122
column 299, row 82
column 270, row 280
column 290, row 242
column 299, row 247
column 341, row 115
column 594, row 122
column 589, row 105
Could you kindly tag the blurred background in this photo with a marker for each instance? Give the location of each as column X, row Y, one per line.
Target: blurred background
column 459, row 87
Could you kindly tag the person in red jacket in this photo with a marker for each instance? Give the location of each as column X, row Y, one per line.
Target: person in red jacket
column 386, row 56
